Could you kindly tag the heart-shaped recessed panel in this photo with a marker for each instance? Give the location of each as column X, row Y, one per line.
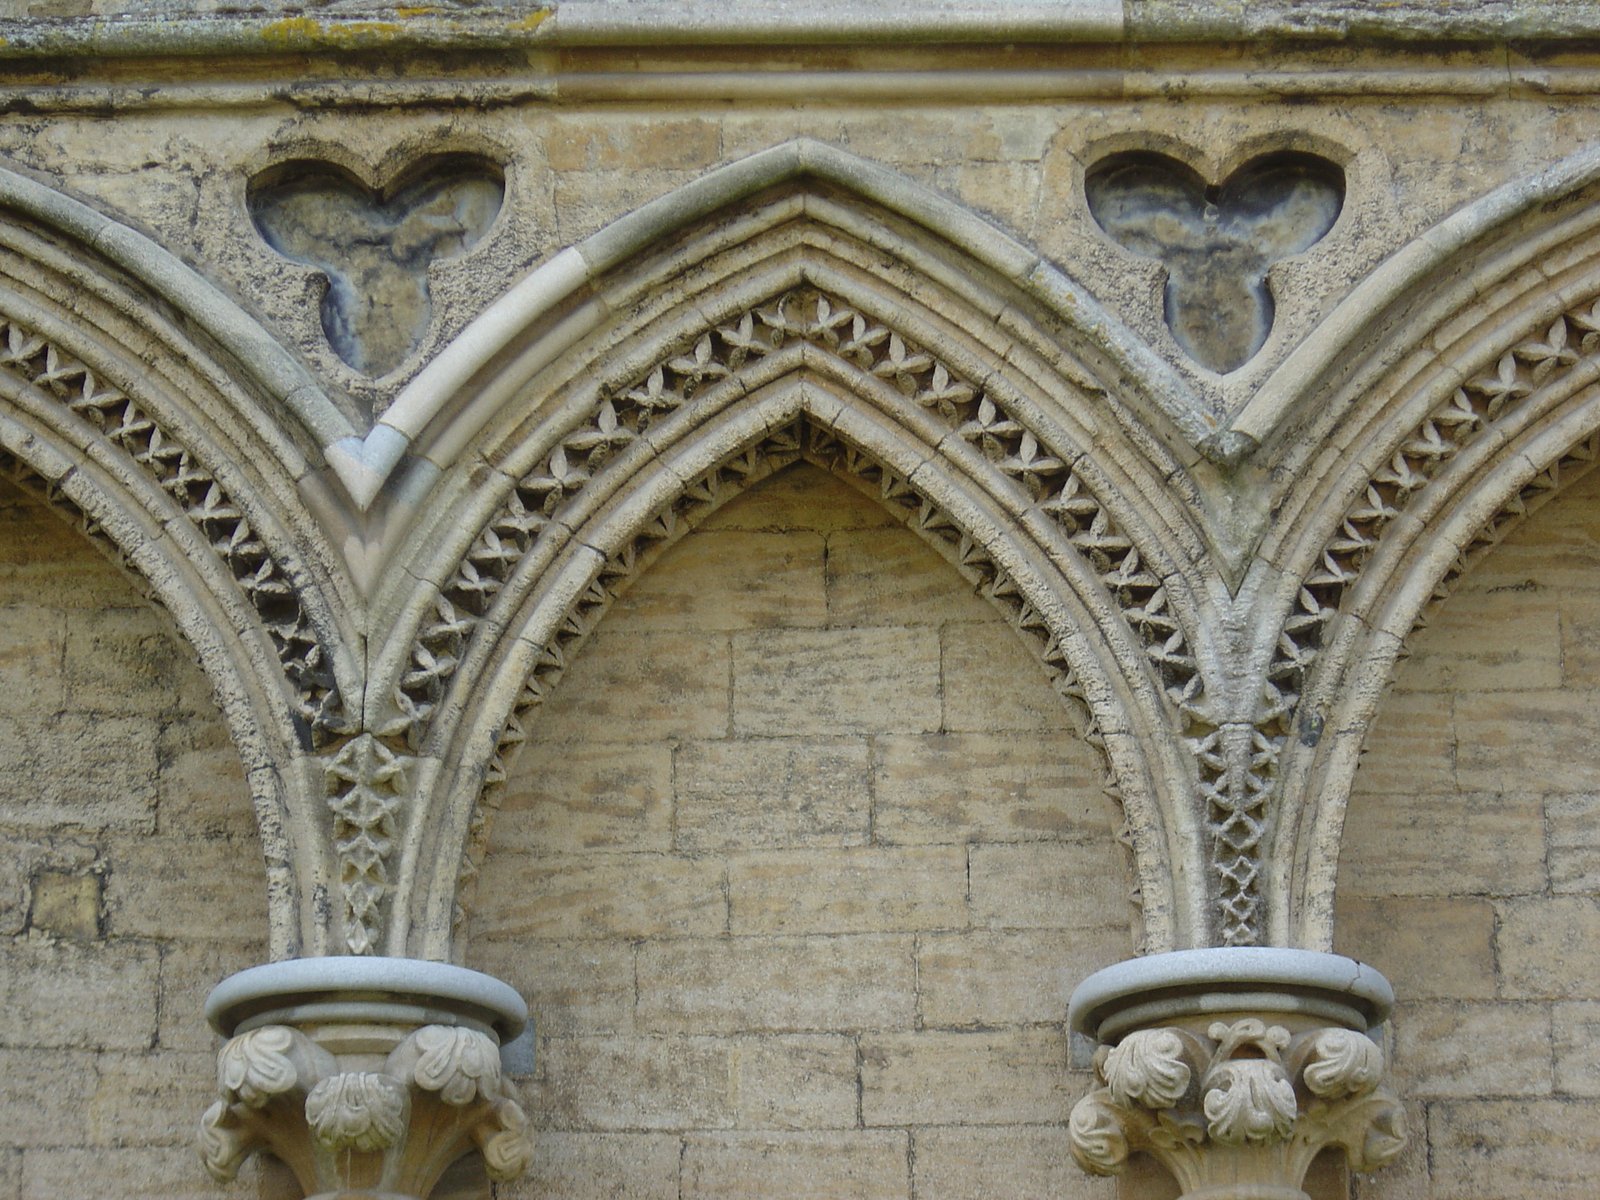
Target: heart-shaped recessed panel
column 1216, row 242
column 375, row 246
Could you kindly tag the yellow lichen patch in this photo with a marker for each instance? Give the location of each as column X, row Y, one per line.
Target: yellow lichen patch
column 302, row 31
column 532, row 21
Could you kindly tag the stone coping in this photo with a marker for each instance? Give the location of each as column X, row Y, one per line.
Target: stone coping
column 352, row 988
column 1258, row 979
column 134, row 28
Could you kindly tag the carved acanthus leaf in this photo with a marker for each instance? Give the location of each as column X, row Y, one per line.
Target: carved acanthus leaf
column 357, row 1110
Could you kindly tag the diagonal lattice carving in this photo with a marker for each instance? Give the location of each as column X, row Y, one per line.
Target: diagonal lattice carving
column 366, row 784
column 1217, row 242
column 204, row 502
column 375, row 245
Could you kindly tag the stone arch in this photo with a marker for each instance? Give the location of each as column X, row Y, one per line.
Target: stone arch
column 131, row 398
column 1474, row 448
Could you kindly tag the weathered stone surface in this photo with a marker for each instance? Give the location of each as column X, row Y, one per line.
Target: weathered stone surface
column 963, row 1163
column 1015, row 1077
column 781, row 984
column 588, row 795
column 852, row 1166
column 1472, row 1050
column 1573, row 823
column 856, row 890
column 1575, row 1030
column 991, row 682
column 1426, row 948
column 761, row 581
column 651, row 685
column 877, row 679
column 628, row 895
column 1038, row 885
column 624, row 1166
column 882, row 577
column 1507, row 736
column 772, row 793
column 574, row 988
column 1497, row 1149
column 77, row 994
column 988, row 788
column 985, row 979
column 1414, row 845
column 1549, row 948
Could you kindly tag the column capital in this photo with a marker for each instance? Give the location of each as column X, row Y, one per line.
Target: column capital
column 365, row 1076
column 1234, row 1068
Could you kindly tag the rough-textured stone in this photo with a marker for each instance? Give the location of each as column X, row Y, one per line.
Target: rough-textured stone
column 848, row 1166
column 964, row 1163
column 854, row 891
column 1499, row 1149
column 877, row 679
column 777, row 792
column 1015, row 1077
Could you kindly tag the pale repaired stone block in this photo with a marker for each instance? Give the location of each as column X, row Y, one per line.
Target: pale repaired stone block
column 1513, row 1149
column 1573, row 822
column 1509, row 738
column 854, row 1165
column 1472, row 1049
column 66, row 903
column 1575, row 1030
column 743, row 984
column 868, row 679
column 1549, row 948
column 801, row 497
column 1427, row 948
column 989, row 787
column 1010, row 1077
column 731, row 580
column 1410, row 746
column 611, row 896
column 95, row 995
column 642, row 686
column 985, row 979
column 619, row 1166
column 992, row 683
column 757, row 792
column 956, row 1163
column 1049, row 885
column 571, row 797
column 1489, row 641
column 572, row 988
column 862, row 889
column 1405, row 844
column 891, row 577
column 152, row 889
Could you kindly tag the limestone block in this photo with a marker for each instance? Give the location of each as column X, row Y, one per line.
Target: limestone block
column 974, row 787
column 168, row 1172
column 1580, row 637
column 1421, row 845
column 992, row 683
column 628, row 1083
column 1428, row 948
column 756, row 793
column 1040, row 885
column 888, row 577
column 1575, row 1030
column 795, row 1081
column 43, row 563
column 47, row 1094
column 32, row 643
column 572, row 988
column 743, row 984
column 651, row 685
column 801, row 497
column 201, row 789
column 189, row 970
column 963, row 1163
column 731, row 580
column 590, row 142
column 111, row 783
column 148, row 1099
column 870, row 679
column 1508, row 738
column 992, row 1078
column 1475, row 650
column 78, row 994
column 984, row 979
column 566, row 798
column 151, row 890
column 66, row 903
column 614, row 895
column 868, row 1165
column 1573, row 822
column 1406, row 1178
column 1508, row 1149
column 122, row 660
column 1549, row 948
column 621, row 1166
column 863, row 889
column 1410, row 747
column 1472, row 1049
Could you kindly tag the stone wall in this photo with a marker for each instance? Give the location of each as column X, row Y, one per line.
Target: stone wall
column 1470, row 872
column 797, row 872
column 130, row 876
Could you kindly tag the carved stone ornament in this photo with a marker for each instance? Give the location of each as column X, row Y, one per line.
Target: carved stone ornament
column 1235, row 1068
column 365, row 1076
